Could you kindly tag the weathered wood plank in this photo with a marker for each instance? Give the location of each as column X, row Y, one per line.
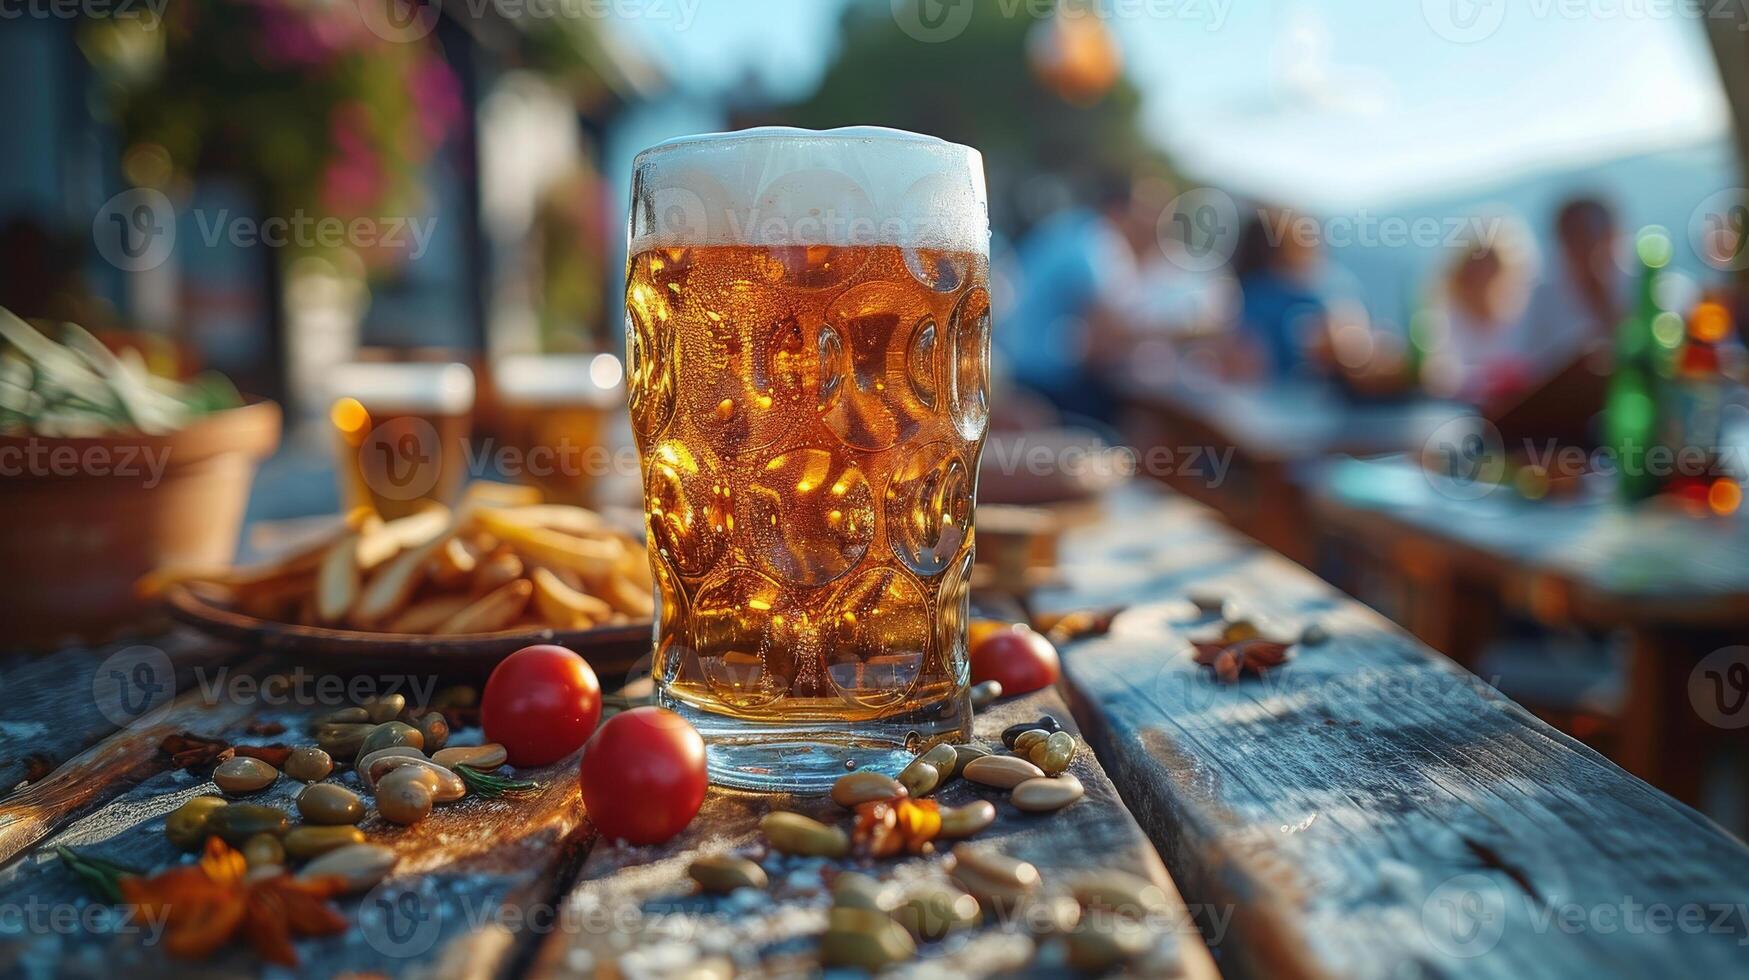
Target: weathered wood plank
column 635, row 907
column 1370, row 809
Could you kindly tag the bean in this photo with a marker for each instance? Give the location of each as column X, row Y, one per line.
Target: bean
column 865, row 940
column 1024, row 742
column 263, row 851
column 1001, row 771
column 1012, row 732
column 341, row 716
column 1051, row 914
column 1100, row 943
column 330, row 803
column 1042, row 795
column 359, row 866
column 445, row 786
column 853, row 890
column 363, row 764
column 941, row 755
column 186, row 826
column 434, row 730
column 309, row 764
column 386, row 708
column 241, row 774
column 342, row 739
column 865, row 786
column 793, row 833
column 485, row 758
column 964, row 821
column 985, row 694
column 308, row 842
column 933, row 911
column 1119, row 892
column 238, row 822
column 723, row 873
column 404, row 796
column 1054, row 754
column 995, row 866
column 963, row 754
column 388, row 735
column 920, row 778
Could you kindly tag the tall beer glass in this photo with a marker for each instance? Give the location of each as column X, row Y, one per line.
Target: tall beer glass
column 808, row 337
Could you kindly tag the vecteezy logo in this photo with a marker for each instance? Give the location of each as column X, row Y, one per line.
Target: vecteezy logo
column 401, row 458
column 1719, row 230
column 1199, row 230
column 679, row 214
column 401, row 920
column 933, row 21
column 1464, row 458
column 131, row 682
column 399, row 20
column 1464, row 21
column 1465, row 916
column 135, row 230
column 1718, row 687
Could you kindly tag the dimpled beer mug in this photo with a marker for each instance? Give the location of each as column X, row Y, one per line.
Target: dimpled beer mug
column 808, row 347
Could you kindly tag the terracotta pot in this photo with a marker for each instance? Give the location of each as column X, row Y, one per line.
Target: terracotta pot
column 82, row 519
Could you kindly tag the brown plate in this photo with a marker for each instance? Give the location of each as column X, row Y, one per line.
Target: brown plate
column 613, row 651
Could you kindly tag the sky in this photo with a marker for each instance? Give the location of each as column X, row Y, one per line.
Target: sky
column 1326, row 103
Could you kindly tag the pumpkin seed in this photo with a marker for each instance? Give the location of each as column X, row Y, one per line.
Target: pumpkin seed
column 964, row 755
column 864, row 939
column 1025, row 741
column 445, row 786
column 995, row 866
column 1001, row 771
column 358, row 865
column 342, row 739
column 1042, row 795
column 238, row 822
column 386, row 708
column 1119, row 892
column 308, row 842
column 330, row 803
column 1012, row 732
column 793, row 833
column 434, row 729
column 1100, row 943
column 1054, row 754
column 485, row 758
column 723, row 873
column 853, row 890
column 186, row 826
column 964, row 821
column 920, row 778
column 864, row 786
column 388, row 735
column 932, row 911
column 1051, row 914
column 942, row 756
column 309, row 764
column 341, row 716
column 364, row 763
column 985, row 694
column 242, row 774
column 263, row 851
column 404, row 796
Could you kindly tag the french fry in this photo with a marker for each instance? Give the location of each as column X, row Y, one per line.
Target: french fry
column 591, row 558
column 428, row 614
column 494, row 494
column 491, row 612
column 557, row 517
column 564, row 607
column 338, row 579
column 386, row 540
column 389, row 589
column 627, row 597
column 453, row 564
column 495, row 571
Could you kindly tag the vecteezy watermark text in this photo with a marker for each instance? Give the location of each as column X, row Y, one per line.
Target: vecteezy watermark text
column 54, row 458
column 147, row 12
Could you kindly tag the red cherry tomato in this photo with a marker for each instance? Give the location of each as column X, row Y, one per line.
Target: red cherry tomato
column 1019, row 659
column 643, row 775
column 541, row 704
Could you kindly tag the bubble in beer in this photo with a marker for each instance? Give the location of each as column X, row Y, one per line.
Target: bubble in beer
column 929, row 508
column 877, row 637
column 811, row 516
column 874, row 322
column 752, row 638
column 690, row 510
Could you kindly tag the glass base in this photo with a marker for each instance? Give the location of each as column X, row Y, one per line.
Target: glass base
column 808, row 757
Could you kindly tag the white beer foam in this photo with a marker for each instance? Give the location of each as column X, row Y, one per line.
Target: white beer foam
column 776, row 185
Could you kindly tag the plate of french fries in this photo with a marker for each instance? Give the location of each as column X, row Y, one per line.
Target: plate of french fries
column 478, row 581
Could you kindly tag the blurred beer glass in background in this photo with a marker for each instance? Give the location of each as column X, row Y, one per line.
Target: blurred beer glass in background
column 807, row 321
column 553, row 413
column 402, row 431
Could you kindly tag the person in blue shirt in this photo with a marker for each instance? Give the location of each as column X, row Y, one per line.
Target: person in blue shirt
column 1282, row 313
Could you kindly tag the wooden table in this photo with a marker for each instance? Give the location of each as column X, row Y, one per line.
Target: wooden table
column 1241, row 448
column 1368, row 810
column 1678, row 585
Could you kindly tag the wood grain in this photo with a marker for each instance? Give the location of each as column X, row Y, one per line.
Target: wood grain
column 1370, row 809
column 635, row 906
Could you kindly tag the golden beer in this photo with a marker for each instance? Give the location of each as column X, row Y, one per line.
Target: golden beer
column 809, row 419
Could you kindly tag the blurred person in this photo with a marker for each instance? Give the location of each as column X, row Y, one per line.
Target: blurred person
column 1579, row 301
column 1283, row 314
column 1056, row 337
column 1478, row 353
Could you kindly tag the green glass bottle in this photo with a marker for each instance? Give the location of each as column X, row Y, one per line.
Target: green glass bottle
column 1631, row 409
